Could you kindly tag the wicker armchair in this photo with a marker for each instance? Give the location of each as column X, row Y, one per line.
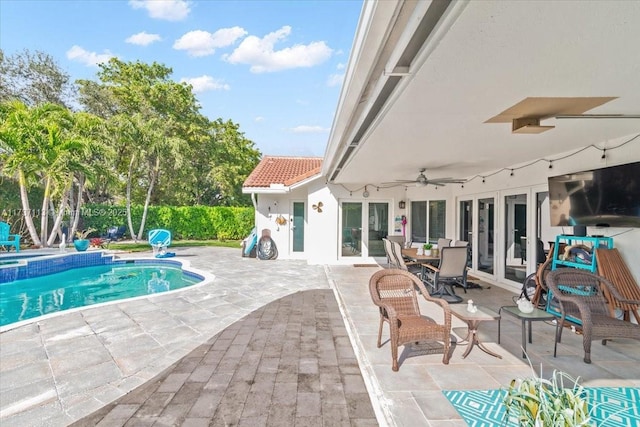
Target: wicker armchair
column 395, row 292
column 581, row 294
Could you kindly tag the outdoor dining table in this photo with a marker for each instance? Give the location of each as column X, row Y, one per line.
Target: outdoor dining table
column 412, row 254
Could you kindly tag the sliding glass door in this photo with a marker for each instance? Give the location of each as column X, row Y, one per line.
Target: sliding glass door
column 486, row 235
column 515, row 242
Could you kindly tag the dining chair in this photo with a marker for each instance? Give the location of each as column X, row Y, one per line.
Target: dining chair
column 400, row 263
column 451, row 269
column 443, row 243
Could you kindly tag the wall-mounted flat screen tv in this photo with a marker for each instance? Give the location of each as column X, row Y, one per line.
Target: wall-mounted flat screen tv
column 607, row 197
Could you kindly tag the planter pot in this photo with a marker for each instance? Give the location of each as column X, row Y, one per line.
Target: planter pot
column 81, row 245
column 427, row 252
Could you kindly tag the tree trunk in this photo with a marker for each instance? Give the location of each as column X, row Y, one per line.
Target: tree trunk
column 152, row 180
column 77, row 210
column 26, row 210
column 129, row 221
column 58, row 221
column 44, row 214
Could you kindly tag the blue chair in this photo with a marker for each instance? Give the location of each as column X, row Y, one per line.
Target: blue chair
column 7, row 239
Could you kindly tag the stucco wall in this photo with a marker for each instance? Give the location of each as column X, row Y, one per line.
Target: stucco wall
column 322, row 234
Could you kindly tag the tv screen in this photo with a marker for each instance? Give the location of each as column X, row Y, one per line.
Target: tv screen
column 608, row 197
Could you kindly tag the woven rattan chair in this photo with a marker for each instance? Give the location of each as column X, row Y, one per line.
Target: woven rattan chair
column 580, row 294
column 395, row 292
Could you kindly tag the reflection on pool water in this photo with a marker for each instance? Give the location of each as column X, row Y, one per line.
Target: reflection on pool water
column 79, row 287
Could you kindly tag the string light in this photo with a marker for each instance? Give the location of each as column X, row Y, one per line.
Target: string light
column 511, row 170
column 550, row 161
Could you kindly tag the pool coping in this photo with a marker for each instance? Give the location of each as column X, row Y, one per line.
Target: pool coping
column 207, row 278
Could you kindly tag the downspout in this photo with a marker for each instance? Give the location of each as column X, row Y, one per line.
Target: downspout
column 254, row 201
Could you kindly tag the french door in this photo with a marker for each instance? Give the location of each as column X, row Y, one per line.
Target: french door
column 363, row 225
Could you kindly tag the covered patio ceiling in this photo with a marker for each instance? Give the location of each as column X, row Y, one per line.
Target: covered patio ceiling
column 424, row 78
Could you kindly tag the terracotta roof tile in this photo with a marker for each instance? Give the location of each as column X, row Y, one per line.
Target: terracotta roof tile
column 283, row 170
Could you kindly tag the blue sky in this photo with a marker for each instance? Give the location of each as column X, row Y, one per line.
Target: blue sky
column 273, row 67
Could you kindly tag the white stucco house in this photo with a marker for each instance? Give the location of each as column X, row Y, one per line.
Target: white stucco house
column 499, row 94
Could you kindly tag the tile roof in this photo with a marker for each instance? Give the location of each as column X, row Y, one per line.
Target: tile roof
column 283, row 170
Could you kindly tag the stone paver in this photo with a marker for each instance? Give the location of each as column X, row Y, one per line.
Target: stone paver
column 198, row 390
column 217, row 352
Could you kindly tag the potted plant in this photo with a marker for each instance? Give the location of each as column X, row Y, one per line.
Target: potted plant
column 81, row 242
column 537, row 402
column 427, row 248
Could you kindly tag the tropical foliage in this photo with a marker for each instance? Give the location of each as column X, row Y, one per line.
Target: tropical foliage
column 538, row 402
column 138, row 139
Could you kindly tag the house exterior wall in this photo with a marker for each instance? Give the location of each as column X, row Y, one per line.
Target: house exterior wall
column 322, row 229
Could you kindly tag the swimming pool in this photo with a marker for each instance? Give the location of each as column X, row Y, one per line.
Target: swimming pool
column 41, row 294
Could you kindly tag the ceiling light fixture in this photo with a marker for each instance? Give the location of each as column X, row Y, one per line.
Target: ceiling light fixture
column 528, row 125
column 365, row 193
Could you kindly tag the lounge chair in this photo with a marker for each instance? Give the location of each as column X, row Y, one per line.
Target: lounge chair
column 7, row 239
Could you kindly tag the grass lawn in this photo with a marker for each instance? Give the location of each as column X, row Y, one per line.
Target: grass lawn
column 144, row 246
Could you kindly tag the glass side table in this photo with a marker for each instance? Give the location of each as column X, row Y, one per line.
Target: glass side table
column 534, row 316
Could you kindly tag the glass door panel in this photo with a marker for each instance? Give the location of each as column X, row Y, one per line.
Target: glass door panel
column 351, row 229
column 298, row 227
column 378, row 228
column 466, row 226
column 486, row 235
column 515, row 217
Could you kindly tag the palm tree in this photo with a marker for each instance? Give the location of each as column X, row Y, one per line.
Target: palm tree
column 18, row 131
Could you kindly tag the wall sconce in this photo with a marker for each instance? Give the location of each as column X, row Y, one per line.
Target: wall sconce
column 402, row 204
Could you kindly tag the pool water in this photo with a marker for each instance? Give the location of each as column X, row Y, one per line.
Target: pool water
column 79, row 287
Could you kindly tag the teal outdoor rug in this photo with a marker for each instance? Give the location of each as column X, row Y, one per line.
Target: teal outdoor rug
column 610, row 406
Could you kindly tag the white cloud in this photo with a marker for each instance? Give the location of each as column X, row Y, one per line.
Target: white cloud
column 203, row 43
column 143, row 38
column 76, row 53
column 335, row 80
column 206, row 83
column 168, row 10
column 259, row 119
column 259, row 53
column 309, row 129
column 340, row 66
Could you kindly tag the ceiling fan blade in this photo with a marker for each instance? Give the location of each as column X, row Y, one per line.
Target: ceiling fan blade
column 401, row 181
column 448, row 180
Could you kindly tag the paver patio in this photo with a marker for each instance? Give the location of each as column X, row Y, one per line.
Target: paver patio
column 59, row 370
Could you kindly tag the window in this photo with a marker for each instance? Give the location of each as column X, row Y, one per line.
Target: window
column 419, row 222
column 435, row 218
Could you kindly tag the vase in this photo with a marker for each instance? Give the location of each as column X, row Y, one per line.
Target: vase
column 81, row 244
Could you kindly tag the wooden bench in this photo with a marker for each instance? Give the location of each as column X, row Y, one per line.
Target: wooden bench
column 612, row 267
column 7, row 239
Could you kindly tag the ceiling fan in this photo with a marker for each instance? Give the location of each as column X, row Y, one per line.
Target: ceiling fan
column 422, row 180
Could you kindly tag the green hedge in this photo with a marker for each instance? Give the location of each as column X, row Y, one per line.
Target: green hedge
column 184, row 222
